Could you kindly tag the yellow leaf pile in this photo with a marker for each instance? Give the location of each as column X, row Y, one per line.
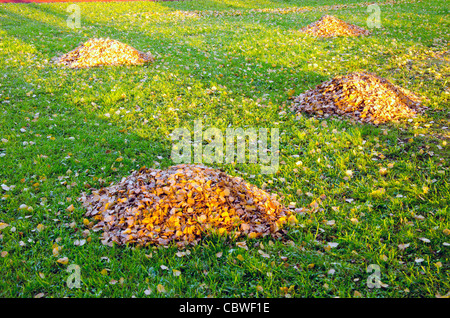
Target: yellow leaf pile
column 329, row 26
column 362, row 96
column 181, row 204
column 100, row 52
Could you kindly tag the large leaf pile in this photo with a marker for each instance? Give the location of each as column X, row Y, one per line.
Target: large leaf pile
column 363, row 96
column 329, row 26
column 181, row 204
column 101, row 52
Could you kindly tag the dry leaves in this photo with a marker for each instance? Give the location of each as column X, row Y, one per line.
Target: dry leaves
column 329, row 26
column 99, row 52
column 362, row 96
column 181, row 204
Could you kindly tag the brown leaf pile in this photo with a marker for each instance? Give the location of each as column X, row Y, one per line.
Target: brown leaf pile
column 181, row 204
column 363, row 96
column 329, row 26
column 100, row 52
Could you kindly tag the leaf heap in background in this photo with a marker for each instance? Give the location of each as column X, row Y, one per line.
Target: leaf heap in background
column 362, row 96
column 99, row 52
column 181, row 204
column 329, row 26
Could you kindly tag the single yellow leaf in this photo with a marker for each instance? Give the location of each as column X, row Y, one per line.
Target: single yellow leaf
column 176, row 272
column 240, row 257
column 160, row 288
column 64, row 260
column 242, row 244
column 3, row 225
column 40, row 227
column 104, row 272
column 310, row 266
column 70, row 208
column 56, row 249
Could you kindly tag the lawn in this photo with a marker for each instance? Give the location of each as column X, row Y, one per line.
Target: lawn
column 380, row 193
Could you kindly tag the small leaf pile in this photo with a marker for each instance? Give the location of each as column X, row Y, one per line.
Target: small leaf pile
column 100, row 52
column 329, row 26
column 365, row 97
column 181, row 204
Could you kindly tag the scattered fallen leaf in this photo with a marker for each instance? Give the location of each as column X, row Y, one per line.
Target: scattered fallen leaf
column 160, row 288
column 79, row 242
column 63, row 260
column 263, row 254
column 148, row 291
column 242, row 244
column 332, row 245
column 357, row 294
column 403, row 246
column 176, row 272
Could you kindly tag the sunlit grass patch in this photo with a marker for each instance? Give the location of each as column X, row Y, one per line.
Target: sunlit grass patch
column 376, row 194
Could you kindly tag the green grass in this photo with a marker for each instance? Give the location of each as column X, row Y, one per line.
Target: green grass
column 255, row 59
